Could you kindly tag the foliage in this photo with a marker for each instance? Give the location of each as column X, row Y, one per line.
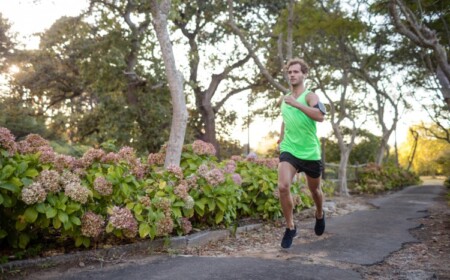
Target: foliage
column 447, row 182
column 432, row 156
column 106, row 193
column 374, row 178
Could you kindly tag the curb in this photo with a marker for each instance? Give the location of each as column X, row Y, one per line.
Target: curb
column 147, row 247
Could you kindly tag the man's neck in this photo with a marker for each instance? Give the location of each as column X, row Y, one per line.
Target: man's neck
column 298, row 90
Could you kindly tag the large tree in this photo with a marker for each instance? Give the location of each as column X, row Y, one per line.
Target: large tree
column 413, row 22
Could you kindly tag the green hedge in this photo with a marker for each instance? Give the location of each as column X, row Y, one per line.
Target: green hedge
column 49, row 196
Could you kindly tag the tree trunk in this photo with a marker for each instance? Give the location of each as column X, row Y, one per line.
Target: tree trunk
column 160, row 11
column 342, row 174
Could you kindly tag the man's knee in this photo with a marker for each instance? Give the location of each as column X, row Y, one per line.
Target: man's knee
column 284, row 188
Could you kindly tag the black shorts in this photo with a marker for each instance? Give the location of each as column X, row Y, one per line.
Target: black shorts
column 312, row 168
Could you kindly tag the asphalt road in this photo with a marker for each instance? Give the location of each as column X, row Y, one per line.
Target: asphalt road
column 360, row 238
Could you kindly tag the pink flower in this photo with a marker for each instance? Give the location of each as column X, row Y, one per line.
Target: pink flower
column 237, row 179
column 176, row 170
column 92, row 224
column 50, row 180
column 7, row 141
column 164, row 226
column 110, row 158
column 186, row 225
column 103, row 186
column 215, row 177
column 92, row 155
column 230, row 166
column 192, row 181
column 156, row 159
column 122, row 218
column 181, row 190
column 33, row 143
column 145, row 200
column 33, row 193
column 200, row 147
column 76, row 192
column 164, row 204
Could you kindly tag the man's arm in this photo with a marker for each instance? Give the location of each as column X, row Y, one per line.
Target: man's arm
column 312, row 99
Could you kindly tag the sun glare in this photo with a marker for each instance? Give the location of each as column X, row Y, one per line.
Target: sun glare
column 14, row 69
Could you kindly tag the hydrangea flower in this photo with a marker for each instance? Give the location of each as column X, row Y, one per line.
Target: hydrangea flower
column 92, row 224
column 156, row 159
column 164, row 226
column 122, row 218
column 92, row 155
column 230, row 167
column 237, row 179
column 215, row 177
column 103, row 186
column 186, row 225
column 189, row 202
column 200, row 147
column 50, row 180
column 176, row 170
column 33, row 193
column 7, row 141
column 77, row 192
column 181, row 190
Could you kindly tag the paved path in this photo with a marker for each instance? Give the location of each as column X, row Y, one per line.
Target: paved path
column 359, row 238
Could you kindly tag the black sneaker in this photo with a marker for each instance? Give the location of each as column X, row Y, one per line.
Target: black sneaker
column 289, row 234
column 319, row 228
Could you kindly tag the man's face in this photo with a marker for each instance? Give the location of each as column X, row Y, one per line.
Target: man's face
column 295, row 74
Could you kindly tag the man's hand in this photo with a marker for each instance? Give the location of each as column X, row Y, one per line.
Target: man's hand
column 290, row 100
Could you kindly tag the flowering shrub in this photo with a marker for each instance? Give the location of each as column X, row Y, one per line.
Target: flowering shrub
column 104, row 194
column 375, row 178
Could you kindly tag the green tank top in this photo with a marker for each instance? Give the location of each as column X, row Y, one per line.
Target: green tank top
column 300, row 132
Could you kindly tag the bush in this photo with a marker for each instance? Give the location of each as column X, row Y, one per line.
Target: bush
column 45, row 195
column 375, row 178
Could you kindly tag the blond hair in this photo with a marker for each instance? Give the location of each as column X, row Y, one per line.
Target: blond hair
column 303, row 65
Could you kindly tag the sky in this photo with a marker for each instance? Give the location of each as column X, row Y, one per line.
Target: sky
column 28, row 18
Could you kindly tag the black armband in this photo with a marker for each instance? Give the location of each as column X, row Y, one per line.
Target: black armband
column 321, row 107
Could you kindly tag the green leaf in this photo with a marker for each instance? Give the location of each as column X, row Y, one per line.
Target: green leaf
column 7, row 171
column 211, row 205
column 200, row 204
column 144, row 230
column 75, row 220
column 24, row 239
column 56, row 223
column 22, row 167
column 20, row 226
column 86, row 242
column 219, row 217
column 63, row 217
column 9, row 187
column 78, row 241
column 50, row 212
column 67, row 225
column 31, row 173
column 1, row 199
column 72, row 207
column 3, row 233
column 41, row 208
column 26, row 181
column 177, row 212
column 109, row 228
column 16, row 182
column 31, row 214
column 138, row 209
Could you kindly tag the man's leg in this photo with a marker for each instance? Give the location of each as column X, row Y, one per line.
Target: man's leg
column 286, row 173
column 316, row 191
column 317, row 194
